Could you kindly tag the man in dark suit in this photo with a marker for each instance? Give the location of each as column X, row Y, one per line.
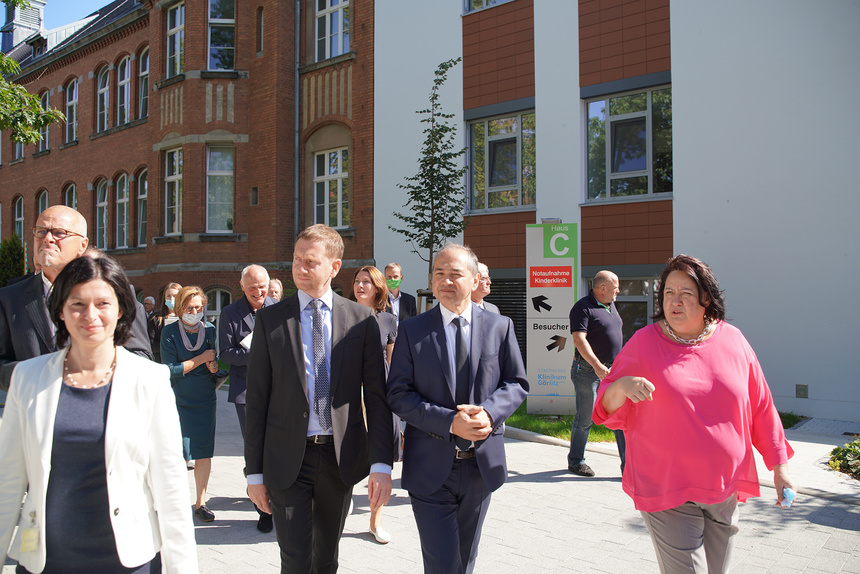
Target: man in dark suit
column 26, row 330
column 402, row 304
column 483, row 289
column 456, row 375
column 307, row 442
column 234, row 326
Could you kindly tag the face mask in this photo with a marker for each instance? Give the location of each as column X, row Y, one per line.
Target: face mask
column 192, row 318
column 393, row 283
column 169, row 304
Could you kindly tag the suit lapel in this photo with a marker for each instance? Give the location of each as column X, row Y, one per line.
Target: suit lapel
column 294, row 336
column 121, row 400
column 475, row 348
column 247, row 317
column 440, row 342
column 37, row 310
column 338, row 331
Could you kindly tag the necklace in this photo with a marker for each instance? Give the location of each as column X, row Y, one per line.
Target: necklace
column 75, row 384
column 695, row 341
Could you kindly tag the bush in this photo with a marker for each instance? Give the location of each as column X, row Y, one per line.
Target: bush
column 847, row 458
column 11, row 259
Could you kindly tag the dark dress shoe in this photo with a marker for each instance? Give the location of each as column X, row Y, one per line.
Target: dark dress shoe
column 264, row 524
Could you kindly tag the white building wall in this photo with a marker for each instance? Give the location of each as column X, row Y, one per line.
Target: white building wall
column 411, row 40
column 765, row 156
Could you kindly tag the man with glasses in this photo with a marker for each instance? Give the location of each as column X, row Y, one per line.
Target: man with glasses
column 483, row 290
column 26, row 330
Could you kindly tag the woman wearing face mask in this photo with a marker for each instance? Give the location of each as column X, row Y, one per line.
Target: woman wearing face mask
column 163, row 316
column 187, row 347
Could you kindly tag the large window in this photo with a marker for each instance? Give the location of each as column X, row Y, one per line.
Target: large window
column 122, row 211
column 19, row 218
column 143, row 85
column 222, row 34
column 503, row 173
column 332, row 31
column 72, row 111
column 43, row 133
column 101, row 214
column 629, row 142
column 42, row 204
column 176, row 40
column 219, row 189
column 635, row 303
column 216, row 299
column 474, row 5
column 19, row 150
column 70, row 197
column 123, row 92
column 142, row 196
column 103, row 100
column 173, row 192
column 331, row 188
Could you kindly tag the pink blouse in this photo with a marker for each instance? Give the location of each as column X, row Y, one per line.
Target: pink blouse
column 693, row 441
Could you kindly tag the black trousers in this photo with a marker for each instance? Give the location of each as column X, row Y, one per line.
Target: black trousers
column 310, row 515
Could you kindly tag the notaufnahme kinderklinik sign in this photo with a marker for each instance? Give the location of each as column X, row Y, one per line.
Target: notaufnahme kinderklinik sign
column 551, row 292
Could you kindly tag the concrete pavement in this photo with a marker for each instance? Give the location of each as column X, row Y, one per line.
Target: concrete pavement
column 545, row 519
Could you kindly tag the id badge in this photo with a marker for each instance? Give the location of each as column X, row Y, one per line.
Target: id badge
column 30, row 539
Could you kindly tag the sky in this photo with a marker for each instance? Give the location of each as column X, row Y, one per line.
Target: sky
column 60, row 12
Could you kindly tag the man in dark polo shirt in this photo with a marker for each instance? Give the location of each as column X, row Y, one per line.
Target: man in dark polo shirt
column 596, row 328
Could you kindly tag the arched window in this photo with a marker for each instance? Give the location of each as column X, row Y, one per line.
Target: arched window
column 43, row 201
column 101, row 214
column 122, row 211
column 103, row 100
column 123, row 92
column 217, row 300
column 19, row 218
column 70, row 197
column 72, row 111
column 43, row 133
column 143, row 85
column 142, row 196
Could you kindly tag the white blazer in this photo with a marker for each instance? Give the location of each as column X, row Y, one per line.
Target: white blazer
column 146, row 477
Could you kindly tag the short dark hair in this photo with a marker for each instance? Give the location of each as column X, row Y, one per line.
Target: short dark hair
column 710, row 294
column 82, row 270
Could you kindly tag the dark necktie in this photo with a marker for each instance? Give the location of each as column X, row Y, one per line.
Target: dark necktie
column 461, row 392
column 322, row 405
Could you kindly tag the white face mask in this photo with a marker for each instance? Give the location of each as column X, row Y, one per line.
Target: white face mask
column 192, row 318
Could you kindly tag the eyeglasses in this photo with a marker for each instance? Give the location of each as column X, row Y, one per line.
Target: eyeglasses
column 193, row 309
column 58, row 233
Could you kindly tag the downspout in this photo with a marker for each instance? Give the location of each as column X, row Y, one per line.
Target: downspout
column 296, row 136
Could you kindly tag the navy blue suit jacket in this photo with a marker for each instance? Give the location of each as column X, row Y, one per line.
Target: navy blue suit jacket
column 236, row 323
column 421, row 392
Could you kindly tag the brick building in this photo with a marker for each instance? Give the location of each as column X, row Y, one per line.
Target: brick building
column 200, row 135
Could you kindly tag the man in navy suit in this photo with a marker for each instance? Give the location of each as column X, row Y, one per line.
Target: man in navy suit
column 402, row 304
column 456, row 375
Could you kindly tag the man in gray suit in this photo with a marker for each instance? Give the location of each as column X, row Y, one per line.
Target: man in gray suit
column 26, row 331
column 483, row 290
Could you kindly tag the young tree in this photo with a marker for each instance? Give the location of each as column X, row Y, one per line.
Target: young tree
column 20, row 111
column 11, row 259
column 436, row 195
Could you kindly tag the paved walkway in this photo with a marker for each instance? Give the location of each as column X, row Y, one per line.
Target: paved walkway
column 545, row 519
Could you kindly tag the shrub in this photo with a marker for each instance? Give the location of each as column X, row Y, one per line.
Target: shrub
column 847, row 458
column 11, row 259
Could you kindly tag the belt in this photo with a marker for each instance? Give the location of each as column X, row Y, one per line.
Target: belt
column 464, row 454
column 320, row 438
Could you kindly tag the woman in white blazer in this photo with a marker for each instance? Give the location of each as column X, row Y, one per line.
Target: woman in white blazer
column 91, row 435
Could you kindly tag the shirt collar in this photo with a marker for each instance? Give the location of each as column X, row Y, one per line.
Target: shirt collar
column 448, row 316
column 392, row 297
column 46, row 283
column 305, row 299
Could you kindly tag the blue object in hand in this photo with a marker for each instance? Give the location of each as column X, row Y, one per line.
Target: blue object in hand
column 787, row 497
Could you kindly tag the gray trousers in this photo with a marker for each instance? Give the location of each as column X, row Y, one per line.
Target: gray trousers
column 694, row 537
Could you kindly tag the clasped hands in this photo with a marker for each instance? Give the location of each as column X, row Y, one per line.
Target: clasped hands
column 472, row 422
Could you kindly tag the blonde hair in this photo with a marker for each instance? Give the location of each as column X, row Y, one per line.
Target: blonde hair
column 324, row 234
column 185, row 294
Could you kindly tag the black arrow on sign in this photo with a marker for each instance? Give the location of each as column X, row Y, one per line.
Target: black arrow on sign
column 558, row 341
column 539, row 302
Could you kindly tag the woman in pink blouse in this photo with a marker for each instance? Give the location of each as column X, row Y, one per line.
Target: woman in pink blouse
column 692, row 400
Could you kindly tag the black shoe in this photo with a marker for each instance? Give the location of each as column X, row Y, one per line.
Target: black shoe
column 264, row 524
column 204, row 514
column 580, row 469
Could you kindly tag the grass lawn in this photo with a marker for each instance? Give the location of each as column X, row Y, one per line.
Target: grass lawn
column 559, row 426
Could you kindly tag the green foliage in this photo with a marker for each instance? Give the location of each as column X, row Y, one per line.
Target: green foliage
column 20, row 111
column 555, row 426
column 789, row 419
column 11, row 259
column 847, row 458
column 436, row 197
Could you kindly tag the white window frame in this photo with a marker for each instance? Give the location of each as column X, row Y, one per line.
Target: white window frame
column 176, row 40
column 101, row 214
column 223, row 174
column 332, row 15
column 142, row 201
column 43, row 203
column 608, row 134
column 221, row 23
column 143, row 85
column 322, row 184
column 44, row 133
column 19, row 150
column 477, row 5
column 173, row 192
column 121, row 191
column 484, row 205
column 103, row 99
column 19, row 218
column 72, row 111
column 123, row 92
column 70, row 196
column 212, row 313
